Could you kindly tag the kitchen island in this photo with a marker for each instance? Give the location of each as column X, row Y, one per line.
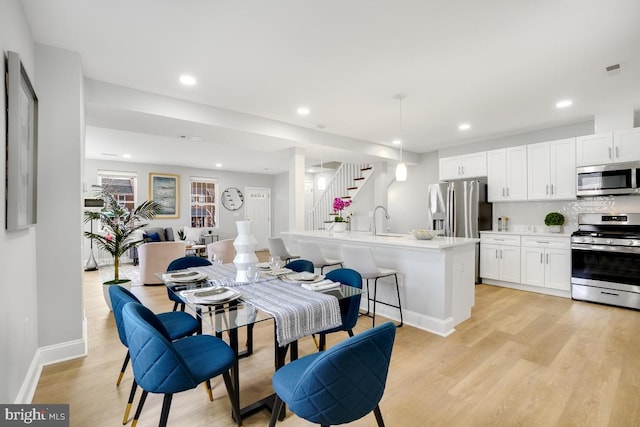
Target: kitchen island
column 437, row 277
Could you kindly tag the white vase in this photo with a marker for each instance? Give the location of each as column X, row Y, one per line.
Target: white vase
column 107, row 296
column 339, row 227
column 245, row 245
column 555, row 228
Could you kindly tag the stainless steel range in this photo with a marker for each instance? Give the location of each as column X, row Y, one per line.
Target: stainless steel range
column 605, row 259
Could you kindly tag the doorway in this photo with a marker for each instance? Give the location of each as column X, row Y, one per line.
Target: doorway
column 258, row 209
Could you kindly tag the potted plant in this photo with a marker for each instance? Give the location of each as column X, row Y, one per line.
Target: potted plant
column 339, row 205
column 118, row 231
column 554, row 220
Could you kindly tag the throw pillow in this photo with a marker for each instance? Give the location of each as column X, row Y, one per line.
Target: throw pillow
column 151, row 237
column 192, row 234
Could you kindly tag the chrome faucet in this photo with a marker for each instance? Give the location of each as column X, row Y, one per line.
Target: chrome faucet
column 386, row 215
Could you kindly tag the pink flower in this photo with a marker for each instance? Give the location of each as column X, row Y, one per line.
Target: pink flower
column 339, row 204
column 109, row 237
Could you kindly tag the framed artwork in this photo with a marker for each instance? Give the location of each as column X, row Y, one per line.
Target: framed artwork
column 165, row 189
column 22, row 146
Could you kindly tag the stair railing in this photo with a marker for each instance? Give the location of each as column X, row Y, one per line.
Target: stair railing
column 336, row 187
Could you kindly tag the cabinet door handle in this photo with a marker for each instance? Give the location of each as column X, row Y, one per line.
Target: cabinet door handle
column 507, row 191
column 552, row 189
column 547, row 258
column 541, row 258
column 546, row 190
column 496, row 254
column 462, row 169
column 609, row 152
column 500, row 253
column 617, row 152
column 503, row 194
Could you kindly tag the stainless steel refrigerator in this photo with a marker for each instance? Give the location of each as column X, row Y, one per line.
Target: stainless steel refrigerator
column 460, row 209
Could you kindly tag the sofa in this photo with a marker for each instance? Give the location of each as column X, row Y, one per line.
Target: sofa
column 193, row 235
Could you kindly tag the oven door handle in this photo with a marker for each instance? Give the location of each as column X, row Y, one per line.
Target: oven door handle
column 606, row 248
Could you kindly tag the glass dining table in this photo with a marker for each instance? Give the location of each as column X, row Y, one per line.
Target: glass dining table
column 224, row 306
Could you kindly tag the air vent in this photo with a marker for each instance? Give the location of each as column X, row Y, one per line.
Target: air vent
column 614, row 67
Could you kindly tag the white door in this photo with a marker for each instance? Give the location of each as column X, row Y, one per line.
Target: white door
column 626, row 145
column 563, row 168
column 258, row 210
column 510, row 263
column 558, row 269
column 533, row 267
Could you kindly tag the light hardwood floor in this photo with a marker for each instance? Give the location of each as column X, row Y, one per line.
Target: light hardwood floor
column 523, row 359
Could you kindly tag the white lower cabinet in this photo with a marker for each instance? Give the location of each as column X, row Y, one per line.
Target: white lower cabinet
column 540, row 261
column 500, row 257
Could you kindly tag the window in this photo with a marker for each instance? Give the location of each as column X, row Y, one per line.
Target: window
column 122, row 185
column 203, row 202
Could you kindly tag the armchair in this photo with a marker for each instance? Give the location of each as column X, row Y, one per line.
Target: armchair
column 155, row 257
column 339, row 385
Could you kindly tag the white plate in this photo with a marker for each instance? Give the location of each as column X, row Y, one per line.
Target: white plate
column 212, row 295
column 184, row 277
column 263, row 265
column 303, row 277
column 280, row 272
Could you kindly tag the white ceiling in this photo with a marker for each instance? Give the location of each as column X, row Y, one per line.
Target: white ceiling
column 499, row 65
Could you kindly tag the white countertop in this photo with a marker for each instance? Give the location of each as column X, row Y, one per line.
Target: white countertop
column 566, row 233
column 388, row 239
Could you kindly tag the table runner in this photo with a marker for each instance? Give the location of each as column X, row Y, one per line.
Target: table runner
column 298, row 312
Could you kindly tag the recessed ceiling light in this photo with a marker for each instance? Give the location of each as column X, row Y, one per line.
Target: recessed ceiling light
column 187, row 80
column 464, row 126
column 564, row 103
column 303, row 111
column 397, row 141
column 218, row 165
column 126, row 156
column 310, row 170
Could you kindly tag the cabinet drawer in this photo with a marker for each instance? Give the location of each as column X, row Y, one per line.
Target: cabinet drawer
column 501, row 239
column 546, row 242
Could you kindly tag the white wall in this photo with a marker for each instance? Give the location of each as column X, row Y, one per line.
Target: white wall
column 60, row 157
column 408, row 200
column 18, row 311
column 280, row 204
column 226, row 219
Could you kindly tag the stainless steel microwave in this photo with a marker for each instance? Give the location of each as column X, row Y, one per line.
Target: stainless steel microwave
column 609, row 179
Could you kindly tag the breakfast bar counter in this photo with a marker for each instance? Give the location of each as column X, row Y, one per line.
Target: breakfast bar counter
column 437, row 277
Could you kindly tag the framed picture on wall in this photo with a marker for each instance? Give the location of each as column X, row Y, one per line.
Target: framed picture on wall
column 165, row 189
column 22, row 146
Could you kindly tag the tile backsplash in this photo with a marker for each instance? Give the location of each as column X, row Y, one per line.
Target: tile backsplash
column 523, row 215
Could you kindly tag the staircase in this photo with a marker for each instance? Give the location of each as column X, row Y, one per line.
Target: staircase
column 346, row 183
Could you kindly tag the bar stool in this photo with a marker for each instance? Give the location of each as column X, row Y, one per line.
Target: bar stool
column 277, row 248
column 312, row 252
column 361, row 259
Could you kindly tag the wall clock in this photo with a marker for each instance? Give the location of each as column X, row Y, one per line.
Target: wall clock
column 232, row 199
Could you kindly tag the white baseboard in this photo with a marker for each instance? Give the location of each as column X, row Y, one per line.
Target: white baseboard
column 441, row 327
column 49, row 355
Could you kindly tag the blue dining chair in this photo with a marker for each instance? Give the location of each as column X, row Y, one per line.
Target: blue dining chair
column 177, row 324
column 349, row 307
column 339, row 385
column 181, row 264
column 168, row 367
column 300, row 265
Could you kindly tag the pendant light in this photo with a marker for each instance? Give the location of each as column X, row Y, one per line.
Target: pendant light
column 322, row 182
column 401, row 168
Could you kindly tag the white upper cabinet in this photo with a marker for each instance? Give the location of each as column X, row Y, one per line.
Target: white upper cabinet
column 466, row 166
column 610, row 147
column 507, row 174
column 552, row 170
